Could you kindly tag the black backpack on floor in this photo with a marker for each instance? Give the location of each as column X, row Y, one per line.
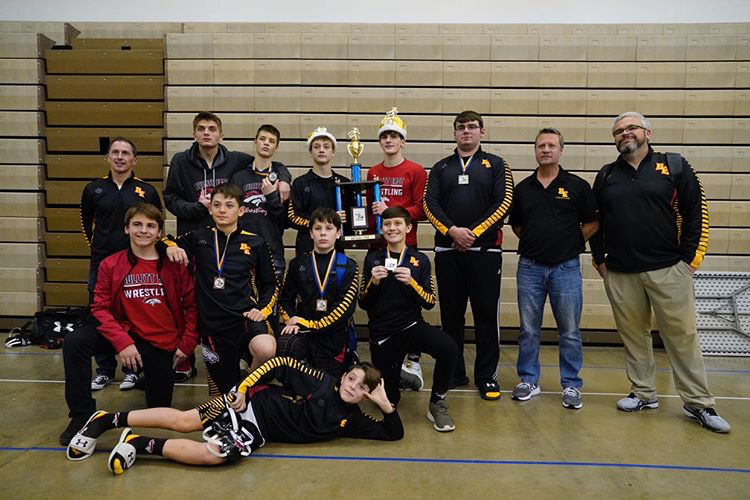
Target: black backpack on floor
column 48, row 328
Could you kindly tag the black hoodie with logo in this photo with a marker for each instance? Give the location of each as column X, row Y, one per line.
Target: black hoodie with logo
column 189, row 175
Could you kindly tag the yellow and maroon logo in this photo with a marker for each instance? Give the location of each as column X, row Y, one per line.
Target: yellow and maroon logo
column 486, row 163
column 562, row 194
column 662, row 168
column 245, row 248
column 140, row 192
column 414, row 262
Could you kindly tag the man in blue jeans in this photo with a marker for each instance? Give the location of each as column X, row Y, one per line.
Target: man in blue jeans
column 553, row 215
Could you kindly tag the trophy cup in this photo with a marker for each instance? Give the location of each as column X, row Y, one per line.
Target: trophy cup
column 352, row 197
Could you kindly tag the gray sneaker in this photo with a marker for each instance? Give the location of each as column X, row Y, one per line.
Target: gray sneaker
column 708, row 418
column 438, row 415
column 631, row 402
column 525, row 391
column 571, row 398
column 411, row 376
column 100, row 382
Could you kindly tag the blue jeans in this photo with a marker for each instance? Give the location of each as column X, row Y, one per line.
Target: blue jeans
column 562, row 282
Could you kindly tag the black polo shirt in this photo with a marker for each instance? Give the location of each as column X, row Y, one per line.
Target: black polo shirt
column 551, row 218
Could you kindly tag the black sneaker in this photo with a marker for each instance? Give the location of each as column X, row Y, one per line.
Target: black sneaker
column 75, row 425
column 490, row 391
column 180, row 377
column 458, row 382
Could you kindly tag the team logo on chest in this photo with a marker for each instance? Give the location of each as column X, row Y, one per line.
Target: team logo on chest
column 245, row 248
column 140, row 192
column 486, row 163
column 562, row 194
column 413, row 261
column 660, row 167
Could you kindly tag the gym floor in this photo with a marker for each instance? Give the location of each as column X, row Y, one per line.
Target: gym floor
column 535, row 449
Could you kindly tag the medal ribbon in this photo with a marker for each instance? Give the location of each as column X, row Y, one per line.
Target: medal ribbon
column 220, row 261
column 465, row 164
column 400, row 257
column 263, row 173
column 322, row 285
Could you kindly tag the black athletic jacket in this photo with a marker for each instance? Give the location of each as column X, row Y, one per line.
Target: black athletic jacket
column 481, row 205
column 309, row 192
column 250, row 280
column 103, row 207
column 300, row 293
column 189, row 174
column 264, row 215
column 649, row 218
column 392, row 306
column 308, row 407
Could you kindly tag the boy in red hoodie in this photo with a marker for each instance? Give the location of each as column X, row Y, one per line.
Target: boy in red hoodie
column 145, row 311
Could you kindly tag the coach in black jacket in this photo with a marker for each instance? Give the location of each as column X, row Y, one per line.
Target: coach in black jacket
column 653, row 236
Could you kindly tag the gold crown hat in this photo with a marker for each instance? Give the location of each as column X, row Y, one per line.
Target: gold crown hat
column 320, row 132
column 393, row 122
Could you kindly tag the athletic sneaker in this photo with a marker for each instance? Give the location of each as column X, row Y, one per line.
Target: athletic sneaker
column 180, row 376
column 75, row 425
column 571, row 398
column 525, row 391
column 129, row 381
column 411, row 375
column 708, row 418
column 100, row 382
column 631, row 402
column 490, row 391
column 458, row 382
column 123, row 455
column 438, row 415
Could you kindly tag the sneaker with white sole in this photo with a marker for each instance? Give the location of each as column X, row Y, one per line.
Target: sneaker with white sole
column 525, row 391
column 571, row 398
column 708, row 418
column 100, row 382
column 180, row 376
column 411, row 375
column 129, row 381
column 631, row 402
column 437, row 413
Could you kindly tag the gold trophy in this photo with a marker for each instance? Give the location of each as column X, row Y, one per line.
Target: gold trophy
column 354, row 196
column 355, row 147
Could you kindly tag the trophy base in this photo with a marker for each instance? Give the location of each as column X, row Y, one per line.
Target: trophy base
column 359, row 240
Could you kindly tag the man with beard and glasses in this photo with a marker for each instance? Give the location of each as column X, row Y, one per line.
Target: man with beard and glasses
column 653, row 236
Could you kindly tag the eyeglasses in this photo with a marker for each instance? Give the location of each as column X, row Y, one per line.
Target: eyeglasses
column 628, row 129
column 470, row 126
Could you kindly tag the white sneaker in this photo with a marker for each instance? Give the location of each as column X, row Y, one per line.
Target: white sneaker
column 129, row 381
column 411, row 376
column 100, row 382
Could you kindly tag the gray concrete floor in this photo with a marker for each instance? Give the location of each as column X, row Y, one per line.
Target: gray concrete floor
column 503, row 449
